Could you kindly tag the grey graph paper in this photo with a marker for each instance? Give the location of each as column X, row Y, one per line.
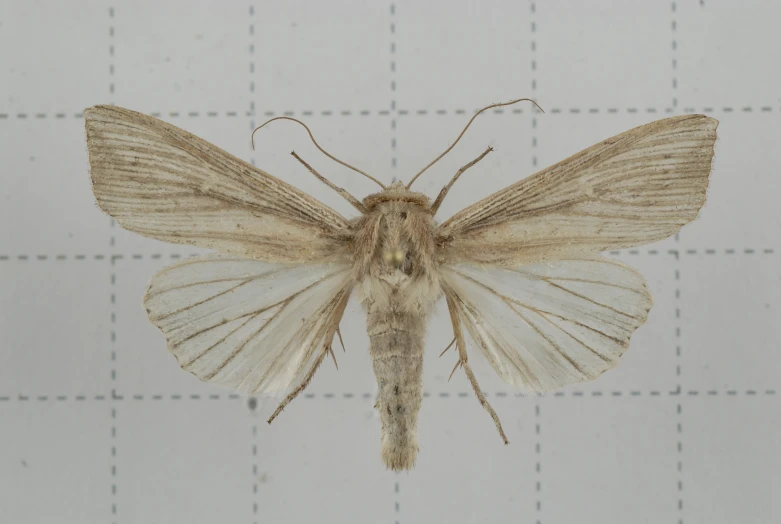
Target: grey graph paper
column 98, row 423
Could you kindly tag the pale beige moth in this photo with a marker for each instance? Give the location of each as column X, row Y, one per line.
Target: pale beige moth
column 520, row 270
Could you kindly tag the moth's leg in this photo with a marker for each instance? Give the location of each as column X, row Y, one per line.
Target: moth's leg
column 448, row 346
column 482, row 399
column 458, row 363
column 339, row 332
column 463, row 362
column 443, row 193
column 336, row 318
column 333, row 356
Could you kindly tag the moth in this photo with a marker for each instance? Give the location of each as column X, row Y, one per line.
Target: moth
column 520, row 270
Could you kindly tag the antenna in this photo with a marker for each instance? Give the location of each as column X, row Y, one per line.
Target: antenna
column 486, row 108
column 326, row 153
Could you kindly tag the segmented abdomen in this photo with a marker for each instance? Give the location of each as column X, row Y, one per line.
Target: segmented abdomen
column 397, row 356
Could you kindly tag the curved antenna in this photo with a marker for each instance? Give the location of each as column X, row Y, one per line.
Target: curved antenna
column 486, row 108
column 326, row 153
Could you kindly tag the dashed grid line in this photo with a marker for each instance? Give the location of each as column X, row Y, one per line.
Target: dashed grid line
column 393, row 83
column 114, row 396
column 111, row 84
column 252, row 401
column 397, row 504
column 678, row 409
column 396, row 485
column 677, row 325
column 255, row 503
column 677, row 276
column 538, row 462
column 674, row 28
column 679, row 462
column 113, row 300
column 409, row 112
column 251, row 50
column 176, row 256
column 537, row 435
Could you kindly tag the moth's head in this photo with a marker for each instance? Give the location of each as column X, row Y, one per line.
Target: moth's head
column 396, row 192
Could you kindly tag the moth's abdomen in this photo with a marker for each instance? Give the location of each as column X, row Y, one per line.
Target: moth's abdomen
column 397, row 357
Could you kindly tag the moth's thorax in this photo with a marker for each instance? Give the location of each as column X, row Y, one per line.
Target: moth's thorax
column 398, row 193
column 395, row 250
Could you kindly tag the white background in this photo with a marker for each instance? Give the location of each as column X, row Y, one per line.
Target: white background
column 99, row 424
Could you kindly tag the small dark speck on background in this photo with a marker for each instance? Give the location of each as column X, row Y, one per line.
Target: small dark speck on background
column 252, row 403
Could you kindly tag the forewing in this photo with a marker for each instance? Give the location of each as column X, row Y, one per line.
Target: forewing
column 162, row 182
column 252, row 326
column 634, row 188
column 545, row 325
